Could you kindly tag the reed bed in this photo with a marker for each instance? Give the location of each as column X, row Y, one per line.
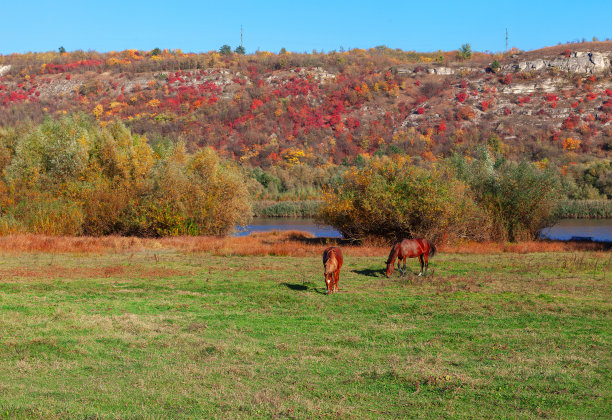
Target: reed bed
column 584, row 209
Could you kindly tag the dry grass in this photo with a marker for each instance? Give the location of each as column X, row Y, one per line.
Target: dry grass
column 270, row 243
column 288, row 243
column 62, row 272
column 522, row 247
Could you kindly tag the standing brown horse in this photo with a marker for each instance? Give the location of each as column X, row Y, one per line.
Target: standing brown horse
column 332, row 261
column 410, row 248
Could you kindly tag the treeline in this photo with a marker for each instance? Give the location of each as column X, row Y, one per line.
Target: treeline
column 70, row 177
column 75, row 176
column 137, row 61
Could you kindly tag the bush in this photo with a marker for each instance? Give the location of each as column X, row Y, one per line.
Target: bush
column 394, row 199
column 465, row 52
column 50, row 216
column 70, row 177
column 519, row 198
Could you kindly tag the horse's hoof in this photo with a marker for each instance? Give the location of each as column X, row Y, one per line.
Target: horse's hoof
column 420, row 274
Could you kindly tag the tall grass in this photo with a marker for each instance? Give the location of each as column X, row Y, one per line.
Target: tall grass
column 584, row 209
column 307, row 208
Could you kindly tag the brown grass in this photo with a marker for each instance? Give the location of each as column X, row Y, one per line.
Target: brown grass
column 295, row 244
column 521, row 247
column 63, row 272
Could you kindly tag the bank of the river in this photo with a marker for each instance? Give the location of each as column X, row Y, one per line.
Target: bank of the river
column 566, row 209
column 598, row 230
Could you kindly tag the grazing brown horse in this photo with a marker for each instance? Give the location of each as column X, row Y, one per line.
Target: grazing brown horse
column 410, row 248
column 332, row 261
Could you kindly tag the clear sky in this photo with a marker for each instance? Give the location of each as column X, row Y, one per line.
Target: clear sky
column 197, row 26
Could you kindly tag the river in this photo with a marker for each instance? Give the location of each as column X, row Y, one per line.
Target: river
column 599, row 230
column 596, row 229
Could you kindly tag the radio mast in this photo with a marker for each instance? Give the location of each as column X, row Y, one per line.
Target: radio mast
column 506, row 40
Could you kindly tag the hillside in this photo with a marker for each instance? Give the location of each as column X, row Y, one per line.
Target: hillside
column 264, row 109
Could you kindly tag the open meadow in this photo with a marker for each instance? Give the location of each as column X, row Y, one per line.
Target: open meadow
column 163, row 329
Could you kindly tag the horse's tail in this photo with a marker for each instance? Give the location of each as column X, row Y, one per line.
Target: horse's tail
column 432, row 250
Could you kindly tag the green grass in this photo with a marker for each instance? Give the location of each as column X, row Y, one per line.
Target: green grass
column 172, row 335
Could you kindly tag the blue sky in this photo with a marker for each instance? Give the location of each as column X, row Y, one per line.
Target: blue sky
column 196, row 26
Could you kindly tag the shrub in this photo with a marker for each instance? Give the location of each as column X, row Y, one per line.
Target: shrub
column 50, row 216
column 70, row 177
column 394, row 199
column 519, row 198
column 465, row 52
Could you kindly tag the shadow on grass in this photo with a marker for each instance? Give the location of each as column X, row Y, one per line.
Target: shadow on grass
column 305, row 287
column 370, row 272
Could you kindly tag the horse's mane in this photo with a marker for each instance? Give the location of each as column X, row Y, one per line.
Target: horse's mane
column 393, row 253
column 331, row 263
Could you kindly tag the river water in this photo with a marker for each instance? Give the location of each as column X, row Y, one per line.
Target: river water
column 597, row 230
column 268, row 224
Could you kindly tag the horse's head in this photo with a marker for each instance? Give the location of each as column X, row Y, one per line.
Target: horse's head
column 390, row 267
column 329, row 282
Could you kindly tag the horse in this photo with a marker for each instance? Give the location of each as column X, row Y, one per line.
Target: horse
column 410, row 248
column 332, row 261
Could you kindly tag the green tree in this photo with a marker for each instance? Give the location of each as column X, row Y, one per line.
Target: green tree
column 155, row 51
column 495, row 66
column 519, row 198
column 70, row 176
column 240, row 50
column 61, row 50
column 391, row 198
column 225, row 49
column 465, row 52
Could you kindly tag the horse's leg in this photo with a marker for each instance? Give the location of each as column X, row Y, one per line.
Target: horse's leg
column 421, row 261
column 336, row 281
column 426, row 262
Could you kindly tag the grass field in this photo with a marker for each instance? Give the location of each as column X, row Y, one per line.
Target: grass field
column 162, row 333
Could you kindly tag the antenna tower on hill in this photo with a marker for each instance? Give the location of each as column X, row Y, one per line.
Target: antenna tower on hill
column 506, row 40
column 241, row 36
